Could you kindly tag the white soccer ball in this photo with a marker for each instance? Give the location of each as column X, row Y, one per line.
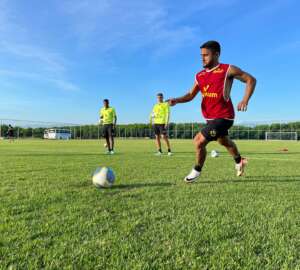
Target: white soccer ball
column 103, row 177
column 105, row 145
column 214, row 153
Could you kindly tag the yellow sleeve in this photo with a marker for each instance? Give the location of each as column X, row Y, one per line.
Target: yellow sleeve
column 167, row 113
column 151, row 115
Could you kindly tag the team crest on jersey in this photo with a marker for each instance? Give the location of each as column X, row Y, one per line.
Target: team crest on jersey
column 218, row 70
column 213, row 133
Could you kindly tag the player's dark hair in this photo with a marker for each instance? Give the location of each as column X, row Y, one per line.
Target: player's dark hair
column 212, row 45
column 160, row 95
column 106, row 100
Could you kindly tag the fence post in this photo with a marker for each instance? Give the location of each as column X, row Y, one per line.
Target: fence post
column 192, row 130
column 280, row 130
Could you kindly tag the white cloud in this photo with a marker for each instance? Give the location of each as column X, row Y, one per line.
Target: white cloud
column 54, row 81
column 48, row 60
column 65, row 85
column 162, row 26
column 130, row 24
column 38, row 63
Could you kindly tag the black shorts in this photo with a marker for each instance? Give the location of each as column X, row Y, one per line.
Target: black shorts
column 108, row 130
column 160, row 129
column 216, row 128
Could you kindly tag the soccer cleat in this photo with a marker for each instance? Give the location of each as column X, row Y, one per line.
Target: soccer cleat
column 107, row 152
column 112, row 152
column 240, row 167
column 192, row 177
column 170, row 154
column 158, row 154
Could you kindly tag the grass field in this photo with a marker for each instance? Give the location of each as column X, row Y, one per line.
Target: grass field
column 52, row 217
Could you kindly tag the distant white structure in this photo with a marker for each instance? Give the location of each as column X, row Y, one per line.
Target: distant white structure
column 281, row 135
column 57, row 134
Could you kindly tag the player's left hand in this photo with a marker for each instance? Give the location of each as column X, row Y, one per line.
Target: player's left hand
column 242, row 106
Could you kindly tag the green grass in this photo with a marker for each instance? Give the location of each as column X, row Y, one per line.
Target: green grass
column 52, row 217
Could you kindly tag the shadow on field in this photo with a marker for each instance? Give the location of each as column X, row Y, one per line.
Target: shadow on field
column 259, row 178
column 141, row 185
column 271, row 153
column 62, row 154
column 184, row 152
column 273, row 178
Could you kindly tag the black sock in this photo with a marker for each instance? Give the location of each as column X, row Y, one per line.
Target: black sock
column 237, row 159
column 198, row 168
column 159, row 150
column 169, row 150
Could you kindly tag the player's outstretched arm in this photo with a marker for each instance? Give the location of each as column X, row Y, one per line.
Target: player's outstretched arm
column 186, row 98
column 250, row 81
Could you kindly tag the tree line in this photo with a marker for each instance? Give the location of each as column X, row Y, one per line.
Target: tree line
column 175, row 130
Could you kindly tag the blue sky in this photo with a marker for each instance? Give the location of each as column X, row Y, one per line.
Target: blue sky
column 60, row 58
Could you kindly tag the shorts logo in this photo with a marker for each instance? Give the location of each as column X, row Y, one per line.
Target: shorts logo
column 213, row 133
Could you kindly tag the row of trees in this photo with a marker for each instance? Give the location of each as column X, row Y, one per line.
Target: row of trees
column 180, row 131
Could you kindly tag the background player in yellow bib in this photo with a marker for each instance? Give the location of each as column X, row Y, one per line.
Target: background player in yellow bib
column 159, row 118
column 108, row 118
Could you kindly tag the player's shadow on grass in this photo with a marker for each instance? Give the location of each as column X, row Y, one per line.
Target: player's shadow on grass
column 259, row 178
column 271, row 153
column 75, row 154
column 142, row 185
column 273, row 178
column 184, row 152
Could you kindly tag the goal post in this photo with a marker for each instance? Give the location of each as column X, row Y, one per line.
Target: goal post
column 281, row 135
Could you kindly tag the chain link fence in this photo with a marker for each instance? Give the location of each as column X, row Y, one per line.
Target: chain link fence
column 24, row 129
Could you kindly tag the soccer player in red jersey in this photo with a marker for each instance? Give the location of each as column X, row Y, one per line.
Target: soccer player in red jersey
column 214, row 83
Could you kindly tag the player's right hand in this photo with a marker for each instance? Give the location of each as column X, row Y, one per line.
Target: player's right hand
column 242, row 106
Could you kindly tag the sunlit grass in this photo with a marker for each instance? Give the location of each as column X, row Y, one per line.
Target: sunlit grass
column 51, row 216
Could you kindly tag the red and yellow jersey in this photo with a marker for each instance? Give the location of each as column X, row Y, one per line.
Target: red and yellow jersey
column 215, row 89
